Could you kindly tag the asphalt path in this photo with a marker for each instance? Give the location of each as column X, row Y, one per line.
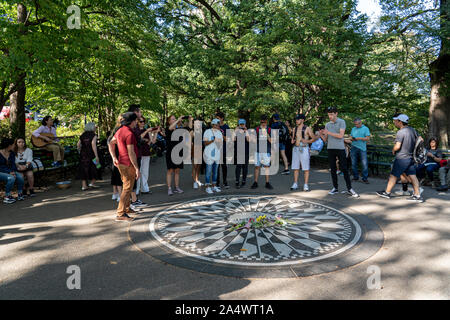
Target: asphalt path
column 42, row 238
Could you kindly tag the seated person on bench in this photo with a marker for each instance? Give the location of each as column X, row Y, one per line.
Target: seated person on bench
column 57, row 149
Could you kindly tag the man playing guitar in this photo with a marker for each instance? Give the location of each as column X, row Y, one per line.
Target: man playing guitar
column 58, row 150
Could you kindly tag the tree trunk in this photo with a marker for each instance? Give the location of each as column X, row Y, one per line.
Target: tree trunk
column 17, row 99
column 439, row 123
column 17, row 112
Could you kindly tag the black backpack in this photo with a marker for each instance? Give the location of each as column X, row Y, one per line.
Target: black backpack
column 284, row 133
column 420, row 152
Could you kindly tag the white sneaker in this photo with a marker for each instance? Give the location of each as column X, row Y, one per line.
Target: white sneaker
column 209, row 190
column 196, row 185
column 353, row 193
column 217, row 189
column 294, row 186
column 199, row 183
column 306, row 188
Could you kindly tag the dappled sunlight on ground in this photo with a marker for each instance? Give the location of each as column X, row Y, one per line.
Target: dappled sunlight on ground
column 41, row 237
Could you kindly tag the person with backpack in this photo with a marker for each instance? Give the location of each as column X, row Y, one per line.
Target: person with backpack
column 301, row 139
column 284, row 137
column 405, row 150
column 262, row 156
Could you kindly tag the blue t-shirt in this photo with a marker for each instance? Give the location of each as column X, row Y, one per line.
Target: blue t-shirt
column 362, row 132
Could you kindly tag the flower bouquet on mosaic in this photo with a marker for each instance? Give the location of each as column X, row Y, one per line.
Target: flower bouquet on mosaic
column 262, row 222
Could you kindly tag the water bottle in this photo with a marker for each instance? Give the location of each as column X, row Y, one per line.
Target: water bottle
column 97, row 164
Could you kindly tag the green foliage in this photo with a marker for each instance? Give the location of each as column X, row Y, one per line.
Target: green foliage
column 197, row 57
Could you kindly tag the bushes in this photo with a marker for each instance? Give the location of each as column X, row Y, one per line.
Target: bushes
column 33, row 125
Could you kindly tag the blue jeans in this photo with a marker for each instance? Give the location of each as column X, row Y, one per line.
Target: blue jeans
column 430, row 168
column 10, row 180
column 357, row 154
column 211, row 169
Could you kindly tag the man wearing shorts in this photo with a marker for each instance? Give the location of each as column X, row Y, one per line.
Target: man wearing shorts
column 262, row 157
column 301, row 138
column 403, row 150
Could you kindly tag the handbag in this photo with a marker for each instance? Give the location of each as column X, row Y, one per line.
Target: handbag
column 36, row 165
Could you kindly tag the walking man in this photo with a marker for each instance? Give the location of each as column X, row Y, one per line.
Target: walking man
column 360, row 135
column 403, row 150
column 126, row 162
column 301, row 139
column 334, row 133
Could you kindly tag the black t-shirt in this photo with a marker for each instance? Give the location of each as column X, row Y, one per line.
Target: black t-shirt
column 240, row 135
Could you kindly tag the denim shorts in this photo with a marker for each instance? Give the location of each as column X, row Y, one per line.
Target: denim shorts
column 401, row 166
column 262, row 159
column 282, row 146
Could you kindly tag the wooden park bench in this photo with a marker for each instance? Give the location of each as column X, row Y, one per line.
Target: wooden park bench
column 47, row 173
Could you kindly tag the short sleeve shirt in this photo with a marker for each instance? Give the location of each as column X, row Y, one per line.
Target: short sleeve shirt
column 437, row 153
column 335, row 143
column 362, row 132
column 125, row 137
column 212, row 152
column 26, row 156
column 407, row 137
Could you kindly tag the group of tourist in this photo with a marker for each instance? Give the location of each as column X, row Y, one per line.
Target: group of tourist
column 129, row 147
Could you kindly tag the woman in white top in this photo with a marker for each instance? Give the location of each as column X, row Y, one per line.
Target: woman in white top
column 24, row 157
column 213, row 140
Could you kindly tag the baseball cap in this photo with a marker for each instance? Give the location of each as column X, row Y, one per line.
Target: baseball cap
column 263, row 117
column 402, row 117
column 300, row 116
column 128, row 118
column 215, row 121
column 276, row 116
column 242, row 121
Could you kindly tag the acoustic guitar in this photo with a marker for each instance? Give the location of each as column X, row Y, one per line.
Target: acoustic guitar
column 39, row 142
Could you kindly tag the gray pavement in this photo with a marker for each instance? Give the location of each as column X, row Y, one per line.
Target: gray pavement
column 41, row 237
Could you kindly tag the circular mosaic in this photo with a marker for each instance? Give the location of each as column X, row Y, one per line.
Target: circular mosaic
column 208, row 230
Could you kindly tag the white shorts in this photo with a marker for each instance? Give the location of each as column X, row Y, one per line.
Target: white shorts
column 300, row 156
column 262, row 159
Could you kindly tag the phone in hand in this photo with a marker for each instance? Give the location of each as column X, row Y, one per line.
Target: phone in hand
column 185, row 117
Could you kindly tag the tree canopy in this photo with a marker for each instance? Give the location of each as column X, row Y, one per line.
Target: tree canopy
column 244, row 58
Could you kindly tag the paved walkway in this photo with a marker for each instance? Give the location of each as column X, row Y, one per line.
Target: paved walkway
column 41, row 237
